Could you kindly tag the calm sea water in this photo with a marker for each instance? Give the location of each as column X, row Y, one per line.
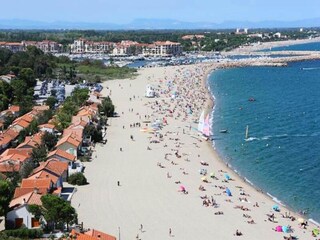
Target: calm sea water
column 282, row 155
column 315, row 46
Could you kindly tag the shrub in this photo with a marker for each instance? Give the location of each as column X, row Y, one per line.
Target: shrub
column 77, row 179
column 24, row 233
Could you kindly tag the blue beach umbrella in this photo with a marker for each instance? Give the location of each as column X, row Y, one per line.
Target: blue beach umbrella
column 228, row 192
column 276, row 208
column 227, row 176
column 285, row 229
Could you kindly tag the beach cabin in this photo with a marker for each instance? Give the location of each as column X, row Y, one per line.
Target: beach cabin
column 150, row 93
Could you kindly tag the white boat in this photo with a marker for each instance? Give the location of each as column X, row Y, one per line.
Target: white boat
column 247, row 132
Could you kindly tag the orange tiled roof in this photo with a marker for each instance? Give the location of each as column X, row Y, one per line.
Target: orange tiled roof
column 6, row 167
column 12, row 133
column 77, row 133
column 29, row 198
column 32, row 141
column 41, row 108
column 22, row 123
column 18, row 192
column 63, row 154
column 36, row 183
column 47, row 125
column 26, row 117
column 53, row 165
column 69, row 139
column 99, row 235
column 44, row 174
column 14, row 108
column 14, row 154
column 5, row 139
column 76, row 119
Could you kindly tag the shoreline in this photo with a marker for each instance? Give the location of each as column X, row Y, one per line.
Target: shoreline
column 211, row 105
column 147, row 195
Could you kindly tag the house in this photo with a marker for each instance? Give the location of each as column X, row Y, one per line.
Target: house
column 91, row 235
column 19, row 215
column 47, row 127
column 8, row 167
column 7, row 78
column 54, row 167
column 33, row 141
column 62, row 156
column 7, row 137
column 70, row 144
column 41, row 108
column 39, row 185
column 14, row 157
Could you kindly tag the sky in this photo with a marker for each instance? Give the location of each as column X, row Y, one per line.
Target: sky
column 125, row 11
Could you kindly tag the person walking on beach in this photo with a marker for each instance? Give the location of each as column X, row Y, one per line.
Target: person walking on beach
column 170, row 232
column 141, row 227
column 118, row 183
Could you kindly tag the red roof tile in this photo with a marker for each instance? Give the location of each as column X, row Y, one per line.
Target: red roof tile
column 36, row 183
column 62, row 154
column 69, row 139
column 100, row 235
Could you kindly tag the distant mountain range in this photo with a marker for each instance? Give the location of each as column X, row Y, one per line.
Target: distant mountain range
column 155, row 24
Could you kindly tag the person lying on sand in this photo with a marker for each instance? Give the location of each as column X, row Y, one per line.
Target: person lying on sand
column 238, row 233
column 218, row 213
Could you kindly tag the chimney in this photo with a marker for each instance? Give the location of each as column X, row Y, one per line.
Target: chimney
column 36, row 190
column 24, row 200
column 99, row 236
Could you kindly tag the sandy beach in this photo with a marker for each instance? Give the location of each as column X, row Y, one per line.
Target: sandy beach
column 270, row 45
column 153, row 170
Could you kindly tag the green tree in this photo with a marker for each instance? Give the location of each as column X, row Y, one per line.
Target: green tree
column 77, row 179
column 49, row 140
column 27, row 75
column 26, row 169
column 107, row 107
column 39, row 154
column 93, row 132
column 5, row 196
column 55, row 211
column 19, row 90
column 51, row 102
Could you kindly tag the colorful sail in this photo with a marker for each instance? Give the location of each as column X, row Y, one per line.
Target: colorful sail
column 206, row 126
column 201, row 122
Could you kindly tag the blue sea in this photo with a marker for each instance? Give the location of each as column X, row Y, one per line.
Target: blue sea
column 314, row 46
column 282, row 154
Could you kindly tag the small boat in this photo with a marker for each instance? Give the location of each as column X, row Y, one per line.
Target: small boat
column 247, row 132
column 251, row 100
column 223, row 131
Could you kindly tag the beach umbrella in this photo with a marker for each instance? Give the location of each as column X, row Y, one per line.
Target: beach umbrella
column 228, row 192
column 212, row 175
column 316, row 231
column 276, row 208
column 301, row 220
column 285, row 229
column 278, row 228
column 182, row 188
column 227, row 177
column 204, row 179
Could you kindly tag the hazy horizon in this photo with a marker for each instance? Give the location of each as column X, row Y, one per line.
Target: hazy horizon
column 126, row 11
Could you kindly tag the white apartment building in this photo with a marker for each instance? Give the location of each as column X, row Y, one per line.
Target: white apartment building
column 84, row 46
column 166, row 48
column 12, row 46
column 49, row 46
